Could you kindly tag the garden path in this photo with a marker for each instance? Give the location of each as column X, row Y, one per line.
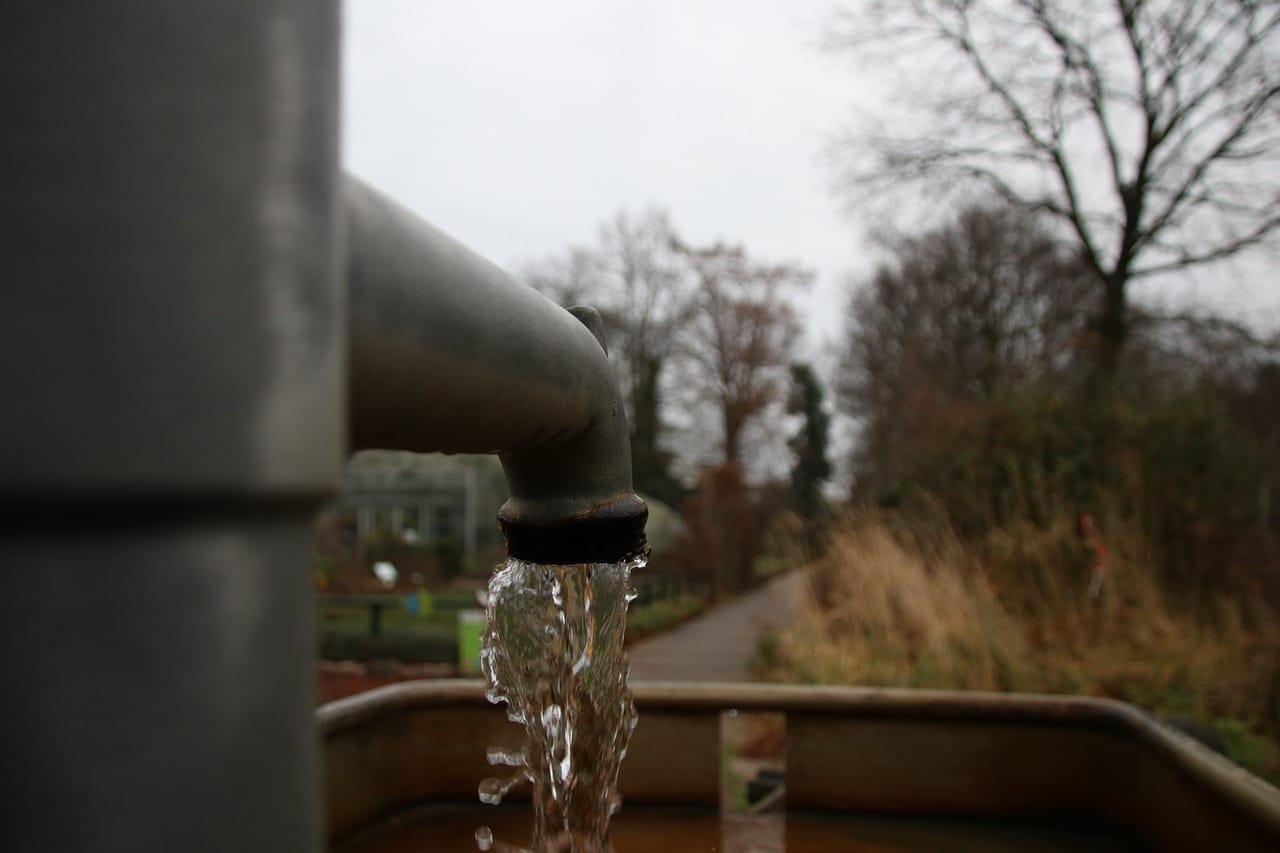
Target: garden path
column 719, row 644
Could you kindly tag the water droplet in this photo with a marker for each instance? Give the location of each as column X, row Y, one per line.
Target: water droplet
column 484, row 838
column 491, row 791
column 496, row 755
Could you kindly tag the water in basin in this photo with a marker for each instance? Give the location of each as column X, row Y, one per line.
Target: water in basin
column 644, row 829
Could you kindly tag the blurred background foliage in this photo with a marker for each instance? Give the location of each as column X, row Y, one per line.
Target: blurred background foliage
column 1016, row 469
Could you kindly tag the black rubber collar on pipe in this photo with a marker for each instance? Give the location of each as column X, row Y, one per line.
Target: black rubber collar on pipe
column 612, row 531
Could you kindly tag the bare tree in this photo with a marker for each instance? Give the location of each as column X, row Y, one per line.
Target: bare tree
column 640, row 283
column 1148, row 129
column 981, row 304
column 649, row 295
column 741, row 336
column 957, row 316
column 569, row 279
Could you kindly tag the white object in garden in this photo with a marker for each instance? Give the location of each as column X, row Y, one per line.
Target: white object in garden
column 386, row 573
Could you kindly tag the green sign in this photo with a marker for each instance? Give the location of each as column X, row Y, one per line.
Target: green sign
column 471, row 627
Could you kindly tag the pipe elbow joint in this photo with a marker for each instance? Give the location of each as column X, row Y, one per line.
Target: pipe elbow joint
column 573, row 502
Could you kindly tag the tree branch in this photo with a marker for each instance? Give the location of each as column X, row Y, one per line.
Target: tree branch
column 1185, row 260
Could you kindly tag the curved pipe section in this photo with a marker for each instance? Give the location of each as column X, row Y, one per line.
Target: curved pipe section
column 449, row 353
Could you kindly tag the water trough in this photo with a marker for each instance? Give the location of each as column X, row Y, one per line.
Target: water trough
column 908, row 769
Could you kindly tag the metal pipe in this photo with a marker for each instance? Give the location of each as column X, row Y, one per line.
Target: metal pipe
column 172, row 380
column 449, row 353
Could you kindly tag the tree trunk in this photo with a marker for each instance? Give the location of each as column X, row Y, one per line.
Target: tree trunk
column 1113, row 327
column 732, row 436
column 644, row 415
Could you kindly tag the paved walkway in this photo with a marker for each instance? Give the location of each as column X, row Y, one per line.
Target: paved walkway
column 719, row 644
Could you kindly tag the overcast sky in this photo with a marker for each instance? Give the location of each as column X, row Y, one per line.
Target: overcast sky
column 519, row 127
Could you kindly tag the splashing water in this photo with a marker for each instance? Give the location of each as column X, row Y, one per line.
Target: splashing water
column 553, row 652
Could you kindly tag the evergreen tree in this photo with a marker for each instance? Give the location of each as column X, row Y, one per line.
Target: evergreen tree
column 812, row 466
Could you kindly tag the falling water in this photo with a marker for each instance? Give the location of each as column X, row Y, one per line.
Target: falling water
column 553, row 652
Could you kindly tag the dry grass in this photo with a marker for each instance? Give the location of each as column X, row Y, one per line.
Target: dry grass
column 901, row 607
column 889, row 613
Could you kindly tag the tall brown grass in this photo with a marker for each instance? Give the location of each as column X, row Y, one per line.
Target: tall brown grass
column 886, row 612
column 895, row 604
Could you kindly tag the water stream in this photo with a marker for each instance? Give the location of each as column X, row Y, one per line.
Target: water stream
column 554, row 653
